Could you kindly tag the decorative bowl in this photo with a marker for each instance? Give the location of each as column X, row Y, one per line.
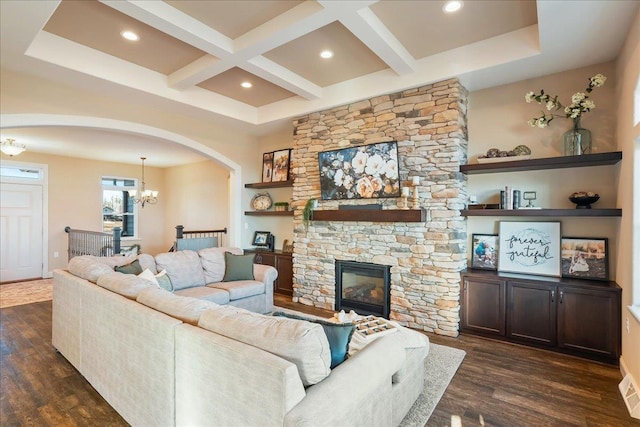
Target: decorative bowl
column 583, row 199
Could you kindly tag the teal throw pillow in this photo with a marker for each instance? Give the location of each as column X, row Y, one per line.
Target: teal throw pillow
column 164, row 281
column 338, row 334
column 238, row 267
column 132, row 268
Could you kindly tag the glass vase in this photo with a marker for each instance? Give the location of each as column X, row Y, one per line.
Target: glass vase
column 577, row 140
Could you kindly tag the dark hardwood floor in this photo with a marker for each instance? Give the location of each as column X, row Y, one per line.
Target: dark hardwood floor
column 499, row 384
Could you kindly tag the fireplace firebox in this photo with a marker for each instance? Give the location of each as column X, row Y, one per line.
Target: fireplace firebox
column 363, row 287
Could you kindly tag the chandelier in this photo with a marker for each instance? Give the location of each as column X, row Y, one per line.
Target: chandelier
column 142, row 195
column 10, row 148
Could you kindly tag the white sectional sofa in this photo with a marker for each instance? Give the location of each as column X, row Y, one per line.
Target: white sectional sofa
column 164, row 359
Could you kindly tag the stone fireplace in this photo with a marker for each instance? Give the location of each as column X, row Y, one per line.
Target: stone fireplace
column 425, row 256
column 363, row 287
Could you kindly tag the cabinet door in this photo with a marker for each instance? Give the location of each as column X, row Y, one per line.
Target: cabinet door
column 483, row 305
column 589, row 321
column 265, row 258
column 285, row 275
column 532, row 312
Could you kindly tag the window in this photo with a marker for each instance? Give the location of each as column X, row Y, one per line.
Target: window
column 118, row 209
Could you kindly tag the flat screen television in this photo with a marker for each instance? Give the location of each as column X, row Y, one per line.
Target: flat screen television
column 365, row 172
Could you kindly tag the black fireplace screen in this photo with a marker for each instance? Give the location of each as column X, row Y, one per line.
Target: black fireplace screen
column 362, row 287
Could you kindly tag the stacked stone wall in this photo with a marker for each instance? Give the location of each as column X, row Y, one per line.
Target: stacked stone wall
column 429, row 125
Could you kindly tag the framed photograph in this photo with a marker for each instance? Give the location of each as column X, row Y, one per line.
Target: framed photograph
column 281, row 165
column 366, row 172
column 267, row 167
column 484, row 251
column 261, row 238
column 530, row 248
column 585, row 257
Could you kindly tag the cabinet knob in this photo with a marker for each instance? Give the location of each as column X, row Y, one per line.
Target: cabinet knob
column 553, row 296
column 561, row 296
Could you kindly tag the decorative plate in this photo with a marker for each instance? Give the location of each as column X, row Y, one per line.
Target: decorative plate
column 261, row 201
column 503, row 159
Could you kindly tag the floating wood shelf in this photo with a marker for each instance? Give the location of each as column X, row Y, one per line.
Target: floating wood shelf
column 542, row 212
column 259, row 185
column 269, row 213
column 385, row 215
column 599, row 159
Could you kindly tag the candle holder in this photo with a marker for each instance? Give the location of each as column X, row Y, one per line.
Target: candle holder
column 403, row 203
column 415, row 182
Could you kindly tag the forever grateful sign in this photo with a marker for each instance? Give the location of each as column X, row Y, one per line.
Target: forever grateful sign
column 530, row 247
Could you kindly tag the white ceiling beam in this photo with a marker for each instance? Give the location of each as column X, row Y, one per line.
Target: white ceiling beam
column 283, row 77
column 366, row 26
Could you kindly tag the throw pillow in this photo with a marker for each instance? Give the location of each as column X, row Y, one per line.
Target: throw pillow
column 338, row 335
column 132, row 268
column 238, row 267
column 161, row 279
column 164, row 281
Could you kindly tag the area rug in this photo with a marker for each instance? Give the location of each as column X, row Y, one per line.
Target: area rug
column 441, row 364
column 21, row 293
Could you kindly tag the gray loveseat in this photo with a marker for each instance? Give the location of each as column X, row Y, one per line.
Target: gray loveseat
column 164, row 359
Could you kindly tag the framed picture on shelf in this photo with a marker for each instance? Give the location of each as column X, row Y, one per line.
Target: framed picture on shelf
column 267, row 167
column 585, row 258
column 530, row 248
column 261, row 238
column 484, row 251
column 281, row 165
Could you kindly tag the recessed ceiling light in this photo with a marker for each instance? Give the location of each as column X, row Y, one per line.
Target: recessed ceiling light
column 246, row 85
column 326, row 54
column 452, row 6
column 130, row 35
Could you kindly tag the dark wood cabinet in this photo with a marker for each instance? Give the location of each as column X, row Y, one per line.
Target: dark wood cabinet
column 579, row 317
column 531, row 312
column 589, row 320
column 483, row 306
column 281, row 261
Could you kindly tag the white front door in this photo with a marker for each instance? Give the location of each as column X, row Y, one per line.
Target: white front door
column 21, row 232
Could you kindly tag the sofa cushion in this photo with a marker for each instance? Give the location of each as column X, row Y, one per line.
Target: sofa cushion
column 128, row 285
column 212, row 260
column 338, row 334
column 300, row 342
column 238, row 267
column 87, row 268
column 131, row 268
column 240, row 288
column 183, row 267
column 147, row 261
column 183, row 308
column 219, row 296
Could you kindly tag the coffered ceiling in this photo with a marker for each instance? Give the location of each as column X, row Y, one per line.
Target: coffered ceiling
column 195, row 54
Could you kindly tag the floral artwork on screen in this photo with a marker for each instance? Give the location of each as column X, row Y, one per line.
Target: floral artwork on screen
column 369, row 171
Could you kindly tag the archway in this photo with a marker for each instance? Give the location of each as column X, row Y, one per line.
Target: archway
column 8, row 121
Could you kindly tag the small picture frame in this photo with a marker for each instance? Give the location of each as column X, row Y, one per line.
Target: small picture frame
column 484, row 251
column 585, row 257
column 287, row 247
column 261, row 238
column 281, row 165
column 267, row 167
column 530, row 248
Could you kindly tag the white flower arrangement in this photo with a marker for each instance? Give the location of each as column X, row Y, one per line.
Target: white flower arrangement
column 580, row 103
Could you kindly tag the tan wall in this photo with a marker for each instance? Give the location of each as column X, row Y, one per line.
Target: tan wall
column 280, row 227
column 628, row 76
column 75, row 200
column 30, row 95
column 197, row 197
column 497, row 117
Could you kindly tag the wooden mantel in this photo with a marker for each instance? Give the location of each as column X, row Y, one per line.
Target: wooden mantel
column 385, row 215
